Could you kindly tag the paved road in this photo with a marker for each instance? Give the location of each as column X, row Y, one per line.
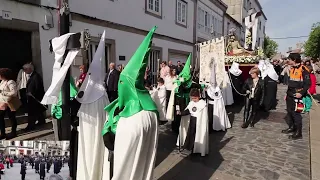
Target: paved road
column 260, row 153
column 14, row 173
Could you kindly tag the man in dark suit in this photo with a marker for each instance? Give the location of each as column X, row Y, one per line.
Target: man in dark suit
column 35, row 93
column 111, row 82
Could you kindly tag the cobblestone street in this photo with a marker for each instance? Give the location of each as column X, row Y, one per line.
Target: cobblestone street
column 262, row 152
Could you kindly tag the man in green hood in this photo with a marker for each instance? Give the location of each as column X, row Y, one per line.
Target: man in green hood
column 131, row 130
column 181, row 93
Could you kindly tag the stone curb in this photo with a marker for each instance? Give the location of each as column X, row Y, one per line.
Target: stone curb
column 315, row 142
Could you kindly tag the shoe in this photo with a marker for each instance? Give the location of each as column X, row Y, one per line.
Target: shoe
column 11, row 135
column 287, row 131
column 3, row 136
column 251, row 124
column 245, row 125
column 29, row 128
column 296, row 135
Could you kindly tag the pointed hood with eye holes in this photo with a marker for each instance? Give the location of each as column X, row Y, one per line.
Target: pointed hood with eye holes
column 185, row 77
column 133, row 96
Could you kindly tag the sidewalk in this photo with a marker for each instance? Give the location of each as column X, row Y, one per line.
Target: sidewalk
column 315, row 141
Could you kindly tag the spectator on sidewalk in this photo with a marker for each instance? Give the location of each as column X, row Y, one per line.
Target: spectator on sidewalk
column 35, row 93
column 9, row 102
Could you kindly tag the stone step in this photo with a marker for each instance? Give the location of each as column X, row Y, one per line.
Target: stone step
column 43, row 130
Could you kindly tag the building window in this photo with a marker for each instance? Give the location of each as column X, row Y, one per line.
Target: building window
column 182, row 12
column 260, row 25
column 12, row 143
column 207, row 24
column 245, row 4
column 264, row 29
column 21, row 143
column 200, row 19
column 228, row 27
column 30, row 144
column 154, row 6
column 259, row 42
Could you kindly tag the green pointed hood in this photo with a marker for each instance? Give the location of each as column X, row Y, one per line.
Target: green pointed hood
column 133, row 96
column 185, row 74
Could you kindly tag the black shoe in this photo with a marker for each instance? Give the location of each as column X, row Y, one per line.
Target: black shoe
column 2, row 136
column 245, row 125
column 287, row 131
column 296, row 135
column 29, row 128
column 251, row 124
column 11, row 135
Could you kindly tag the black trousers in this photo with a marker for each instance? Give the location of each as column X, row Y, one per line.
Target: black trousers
column 168, row 93
column 250, row 111
column 112, row 95
column 23, row 98
column 32, row 118
column 191, row 134
column 12, row 117
column 23, row 176
column 294, row 119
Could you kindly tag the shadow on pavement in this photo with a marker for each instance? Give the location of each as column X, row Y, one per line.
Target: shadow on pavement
column 166, row 143
column 194, row 166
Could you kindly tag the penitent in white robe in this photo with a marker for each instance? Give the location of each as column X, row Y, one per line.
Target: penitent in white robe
column 201, row 144
column 220, row 117
column 92, row 154
column 157, row 97
column 227, row 91
column 135, row 147
column 160, row 101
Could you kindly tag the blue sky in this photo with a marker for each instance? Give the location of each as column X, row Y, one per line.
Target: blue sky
column 290, row 18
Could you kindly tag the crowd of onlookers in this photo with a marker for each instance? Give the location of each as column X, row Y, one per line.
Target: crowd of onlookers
column 282, row 68
column 24, row 92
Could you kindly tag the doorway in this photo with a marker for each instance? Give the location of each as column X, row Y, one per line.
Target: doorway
column 154, row 56
column 16, row 51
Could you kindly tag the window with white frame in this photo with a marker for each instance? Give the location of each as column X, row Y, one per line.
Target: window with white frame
column 207, row 24
column 201, row 19
column 154, row 6
column 182, row 12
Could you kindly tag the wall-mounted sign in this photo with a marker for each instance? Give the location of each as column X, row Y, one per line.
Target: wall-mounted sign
column 122, row 58
column 6, row 15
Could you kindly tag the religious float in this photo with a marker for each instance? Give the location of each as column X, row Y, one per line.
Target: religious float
column 224, row 51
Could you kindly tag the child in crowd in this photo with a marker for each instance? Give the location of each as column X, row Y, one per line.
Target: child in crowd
column 194, row 131
column 254, row 88
column 161, row 100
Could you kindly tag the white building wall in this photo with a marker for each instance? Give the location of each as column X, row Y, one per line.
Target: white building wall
column 132, row 13
column 36, row 14
column 203, row 31
column 126, row 43
column 229, row 23
column 247, row 4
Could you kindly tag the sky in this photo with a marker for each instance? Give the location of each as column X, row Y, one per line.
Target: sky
column 287, row 18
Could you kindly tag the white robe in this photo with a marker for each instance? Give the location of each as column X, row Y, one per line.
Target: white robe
column 135, row 147
column 161, row 102
column 220, row 117
column 92, row 154
column 91, row 149
column 227, row 91
column 201, row 144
